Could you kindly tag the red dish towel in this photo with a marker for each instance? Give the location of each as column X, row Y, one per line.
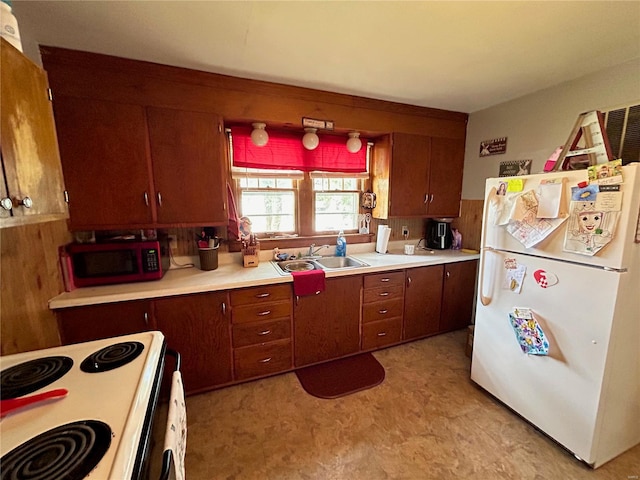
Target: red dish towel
column 309, row 282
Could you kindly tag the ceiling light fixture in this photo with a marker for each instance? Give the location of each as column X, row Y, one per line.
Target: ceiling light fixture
column 354, row 144
column 310, row 139
column 259, row 135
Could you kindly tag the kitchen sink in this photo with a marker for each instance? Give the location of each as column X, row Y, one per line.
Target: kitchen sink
column 339, row 262
column 317, row 263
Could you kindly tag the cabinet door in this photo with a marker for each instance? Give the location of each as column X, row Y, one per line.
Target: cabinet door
column 103, row 146
column 326, row 325
column 410, row 170
column 445, row 184
column 458, row 295
column 423, row 294
column 197, row 326
column 187, row 155
column 29, row 147
column 83, row 324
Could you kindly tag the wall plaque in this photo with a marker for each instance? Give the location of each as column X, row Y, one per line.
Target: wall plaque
column 496, row 146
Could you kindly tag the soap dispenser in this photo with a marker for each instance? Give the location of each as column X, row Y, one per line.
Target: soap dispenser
column 341, row 245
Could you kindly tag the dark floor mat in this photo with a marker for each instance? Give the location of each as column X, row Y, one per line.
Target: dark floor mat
column 341, row 377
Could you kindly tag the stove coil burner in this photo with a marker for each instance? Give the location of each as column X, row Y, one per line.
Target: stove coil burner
column 67, row 452
column 111, row 357
column 33, row 375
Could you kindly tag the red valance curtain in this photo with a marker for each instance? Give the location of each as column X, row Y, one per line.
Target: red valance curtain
column 285, row 151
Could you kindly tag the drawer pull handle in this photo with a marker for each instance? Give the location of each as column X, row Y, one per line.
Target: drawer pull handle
column 383, row 311
column 382, row 334
column 264, row 332
column 262, row 295
column 385, row 279
column 262, row 314
column 318, row 292
column 384, row 294
column 265, row 360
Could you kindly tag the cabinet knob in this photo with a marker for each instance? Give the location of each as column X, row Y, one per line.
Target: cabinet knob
column 6, row 203
column 382, row 334
column 223, row 307
column 265, row 360
column 448, row 274
column 159, row 199
column 382, row 311
column 146, row 199
column 383, row 294
column 26, row 202
column 409, row 281
column 264, row 332
column 146, row 318
column 262, row 295
column 385, row 279
column 262, row 314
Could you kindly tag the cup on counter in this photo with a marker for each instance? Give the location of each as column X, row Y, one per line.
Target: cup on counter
column 409, row 249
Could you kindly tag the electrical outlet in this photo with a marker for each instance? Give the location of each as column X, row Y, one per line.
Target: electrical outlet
column 405, row 231
column 173, row 243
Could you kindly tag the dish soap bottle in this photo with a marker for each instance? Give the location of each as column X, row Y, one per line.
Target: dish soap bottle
column 341, row 245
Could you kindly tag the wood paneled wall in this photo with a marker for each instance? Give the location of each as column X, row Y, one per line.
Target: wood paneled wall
column 30, row 276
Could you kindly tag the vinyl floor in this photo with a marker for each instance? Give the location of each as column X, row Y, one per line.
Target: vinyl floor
column 427, row 420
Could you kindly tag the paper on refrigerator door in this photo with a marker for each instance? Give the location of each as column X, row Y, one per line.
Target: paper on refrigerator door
column 382, row 242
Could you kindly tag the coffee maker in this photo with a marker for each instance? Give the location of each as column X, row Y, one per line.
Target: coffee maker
column 439, row 235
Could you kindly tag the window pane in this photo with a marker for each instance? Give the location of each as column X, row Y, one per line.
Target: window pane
column 267, row 183
column 336, row 211
column 350, row 184
column 284, row 183
column 335, row 184
column 273, row 211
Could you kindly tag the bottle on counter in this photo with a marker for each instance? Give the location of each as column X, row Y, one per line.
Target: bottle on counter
column 341, row 245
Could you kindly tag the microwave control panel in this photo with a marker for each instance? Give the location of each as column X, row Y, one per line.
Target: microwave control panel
column 150, row 263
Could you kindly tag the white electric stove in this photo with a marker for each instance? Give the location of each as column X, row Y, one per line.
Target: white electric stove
column 101, row 429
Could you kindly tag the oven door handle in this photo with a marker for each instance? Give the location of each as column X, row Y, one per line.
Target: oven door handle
column 175, row 355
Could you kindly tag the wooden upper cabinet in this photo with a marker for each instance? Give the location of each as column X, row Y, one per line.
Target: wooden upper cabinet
column 103, row 146
column 32, row 184
column 187, row 152
column 417, row 176
column 445, row 183
column 131, row 166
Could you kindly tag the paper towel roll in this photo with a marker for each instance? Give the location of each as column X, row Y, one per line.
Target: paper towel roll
column 382, row 242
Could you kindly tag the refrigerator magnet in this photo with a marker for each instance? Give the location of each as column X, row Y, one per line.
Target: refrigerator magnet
column 529, row 334
column 545, row 279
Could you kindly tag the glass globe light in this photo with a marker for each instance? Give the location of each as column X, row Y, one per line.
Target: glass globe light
column 310, row 139
column 259, row 136
column 354, row 144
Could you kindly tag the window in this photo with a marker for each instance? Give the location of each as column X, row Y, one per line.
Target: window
column 274, row 201
column 336, row 204
column 270, row 204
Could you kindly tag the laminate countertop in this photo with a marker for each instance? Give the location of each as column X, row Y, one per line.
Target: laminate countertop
column 231, row 274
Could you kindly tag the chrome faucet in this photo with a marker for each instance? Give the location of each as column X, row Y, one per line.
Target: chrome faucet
column 312, row 252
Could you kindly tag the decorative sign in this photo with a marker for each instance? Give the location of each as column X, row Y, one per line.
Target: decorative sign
column 496, row 146
column 514, row 168
column 319, row 124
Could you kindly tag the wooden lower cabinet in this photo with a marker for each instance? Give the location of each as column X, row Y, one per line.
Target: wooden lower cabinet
column 459, row 286
column 423, row 294
column 197, row 326
column 93, row 322
column 327, row 324
column 261, row 330
column 382, row 309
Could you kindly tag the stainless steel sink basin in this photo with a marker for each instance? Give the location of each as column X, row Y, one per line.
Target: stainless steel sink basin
column 295, row 266
column 339, row 262
column 317, row 263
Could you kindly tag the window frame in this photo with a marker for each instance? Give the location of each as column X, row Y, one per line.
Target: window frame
column 304, row 200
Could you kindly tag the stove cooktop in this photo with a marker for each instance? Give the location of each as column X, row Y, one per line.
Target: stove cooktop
column 98, row 426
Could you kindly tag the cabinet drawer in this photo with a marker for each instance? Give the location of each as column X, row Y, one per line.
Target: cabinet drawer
column 262, row 359
column 382, row 279
column 255, row 313
column 383, row 293
column 379, row 334
column 262, row 294
column 260, row 332
column 373, row 312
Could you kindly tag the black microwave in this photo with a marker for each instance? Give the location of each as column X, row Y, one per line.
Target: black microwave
column 116, row 262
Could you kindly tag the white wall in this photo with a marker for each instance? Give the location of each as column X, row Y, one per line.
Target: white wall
column 536, row 124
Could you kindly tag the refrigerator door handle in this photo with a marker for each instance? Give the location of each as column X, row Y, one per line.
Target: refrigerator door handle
column 484, row 300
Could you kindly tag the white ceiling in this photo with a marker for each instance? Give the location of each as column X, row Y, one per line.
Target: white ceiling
column 462, row 56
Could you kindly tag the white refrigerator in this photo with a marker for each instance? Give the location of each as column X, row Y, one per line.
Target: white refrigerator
column 585, row 391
